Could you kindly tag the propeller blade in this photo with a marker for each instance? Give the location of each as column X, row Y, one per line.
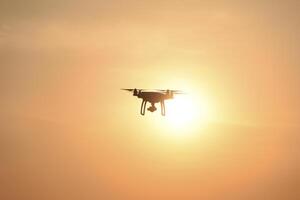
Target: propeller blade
column 174, row 91
column 160, row 90
column 179, row 92
column 126, row 89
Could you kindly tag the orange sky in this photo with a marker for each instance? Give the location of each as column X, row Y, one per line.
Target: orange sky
column 68, row 132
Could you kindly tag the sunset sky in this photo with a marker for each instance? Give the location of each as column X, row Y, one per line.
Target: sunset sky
column 68, row 131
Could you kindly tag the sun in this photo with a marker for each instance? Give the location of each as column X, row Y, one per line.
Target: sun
column 186, row 112
column 180, row 111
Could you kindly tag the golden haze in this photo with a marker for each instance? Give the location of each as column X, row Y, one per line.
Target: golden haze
column 68, row 132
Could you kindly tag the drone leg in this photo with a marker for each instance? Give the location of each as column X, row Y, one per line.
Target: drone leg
column 163, row 108
column 143, row 107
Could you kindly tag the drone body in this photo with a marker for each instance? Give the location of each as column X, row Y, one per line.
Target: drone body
column 153, row 97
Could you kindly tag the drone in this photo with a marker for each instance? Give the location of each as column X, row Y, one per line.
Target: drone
column 153, row 97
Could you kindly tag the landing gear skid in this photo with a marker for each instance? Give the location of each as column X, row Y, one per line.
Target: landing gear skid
column 162, row 107
column 143, row 107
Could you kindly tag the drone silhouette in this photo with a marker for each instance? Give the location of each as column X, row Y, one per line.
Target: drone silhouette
column 153, row 97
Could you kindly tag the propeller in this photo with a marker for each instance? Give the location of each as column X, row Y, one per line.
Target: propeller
column 173, row 91
column 126, row 89
column 160, row 90
column 135, row 91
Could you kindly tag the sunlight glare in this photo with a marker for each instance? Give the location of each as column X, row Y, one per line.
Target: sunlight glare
column 186, row 113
